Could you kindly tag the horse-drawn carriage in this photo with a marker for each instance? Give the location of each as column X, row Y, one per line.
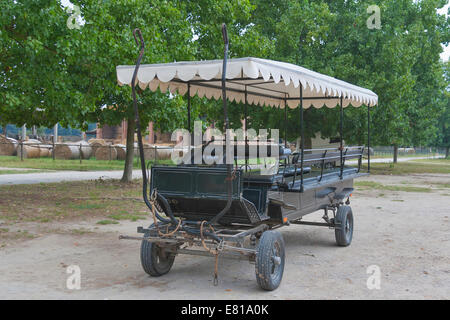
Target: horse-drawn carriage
column 227, row 206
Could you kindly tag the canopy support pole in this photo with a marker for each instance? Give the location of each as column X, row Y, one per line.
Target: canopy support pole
column 285, row 123
column 341, row 128
column 279, row 116
column 245, row 113
column 302, row 137
column 368, row 138
column 245, row 127
column 189, row 106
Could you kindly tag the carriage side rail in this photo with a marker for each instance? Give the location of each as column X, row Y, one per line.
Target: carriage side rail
column 326, row 155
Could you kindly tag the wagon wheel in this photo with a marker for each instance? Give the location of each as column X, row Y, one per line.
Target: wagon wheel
column 344, row 226
column 155, row 261
column 269, row 264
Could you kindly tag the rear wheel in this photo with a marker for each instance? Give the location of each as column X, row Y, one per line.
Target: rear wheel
column 270, row 257
column 344, row 226
column 155, row 261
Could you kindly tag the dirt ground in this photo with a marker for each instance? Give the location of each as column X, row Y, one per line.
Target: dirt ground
column 406, row 234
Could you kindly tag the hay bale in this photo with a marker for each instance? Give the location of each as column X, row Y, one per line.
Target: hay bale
column 28, row 152
column 95, row 143
column 66, row 151
column 8, row 146
column 86, row 149
column 164, row 153
column 121, row 151
column 106, row 153
column 32, row 142
column 149, row 151
column 44, row 152
column 94, row 140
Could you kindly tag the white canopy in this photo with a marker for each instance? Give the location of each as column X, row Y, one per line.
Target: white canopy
column 266, row 82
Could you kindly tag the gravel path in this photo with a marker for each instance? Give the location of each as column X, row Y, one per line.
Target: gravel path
column 60, row 176
column 404, row 234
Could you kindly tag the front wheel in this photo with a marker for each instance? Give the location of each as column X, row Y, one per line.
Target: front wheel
column 269, row 264
column 155, row 261
column 344, row 226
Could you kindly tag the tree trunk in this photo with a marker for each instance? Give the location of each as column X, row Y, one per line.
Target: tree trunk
column 395, row 153
column 128, row 169
column 4, row 131
column 447, row 152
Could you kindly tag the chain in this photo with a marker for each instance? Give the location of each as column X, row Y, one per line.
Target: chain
column 215, row 251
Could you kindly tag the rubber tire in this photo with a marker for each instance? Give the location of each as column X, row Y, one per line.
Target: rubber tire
column 344, row 231
column 151, row 262
column 268, row 278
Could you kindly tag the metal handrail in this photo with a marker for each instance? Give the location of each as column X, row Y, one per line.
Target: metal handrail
column 343, row 156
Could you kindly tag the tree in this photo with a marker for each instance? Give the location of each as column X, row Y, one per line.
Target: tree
column 50, row 73
column 443, row 122
column 400, row 62
column 35, row 85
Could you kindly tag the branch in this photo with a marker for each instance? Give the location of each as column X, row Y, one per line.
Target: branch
column 18, row 36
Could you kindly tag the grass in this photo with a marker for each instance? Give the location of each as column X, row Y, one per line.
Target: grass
column 16, row 235
column 439, row 166
column 19, row 171
column 124, row 215
column 445, row 162
column 379, row 186
column 87, row 206
column 104, row 222
column 438, row 185
column 79, row 231
column 85, row 165
column 400, row 168
column 70, row 201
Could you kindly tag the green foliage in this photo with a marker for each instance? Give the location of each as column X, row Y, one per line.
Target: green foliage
column 50, row 73
column 400, row 62
column 33, row 76
column 443, row 122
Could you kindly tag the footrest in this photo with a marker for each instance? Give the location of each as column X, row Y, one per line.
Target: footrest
column 325, row 192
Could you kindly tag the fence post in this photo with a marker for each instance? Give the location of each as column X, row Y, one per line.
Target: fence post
column 110, row 156
column 80, row 153
column 21, row 150
column 53, row 150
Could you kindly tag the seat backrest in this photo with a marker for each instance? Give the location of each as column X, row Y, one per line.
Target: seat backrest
column 353, row 154
column 330, row 156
